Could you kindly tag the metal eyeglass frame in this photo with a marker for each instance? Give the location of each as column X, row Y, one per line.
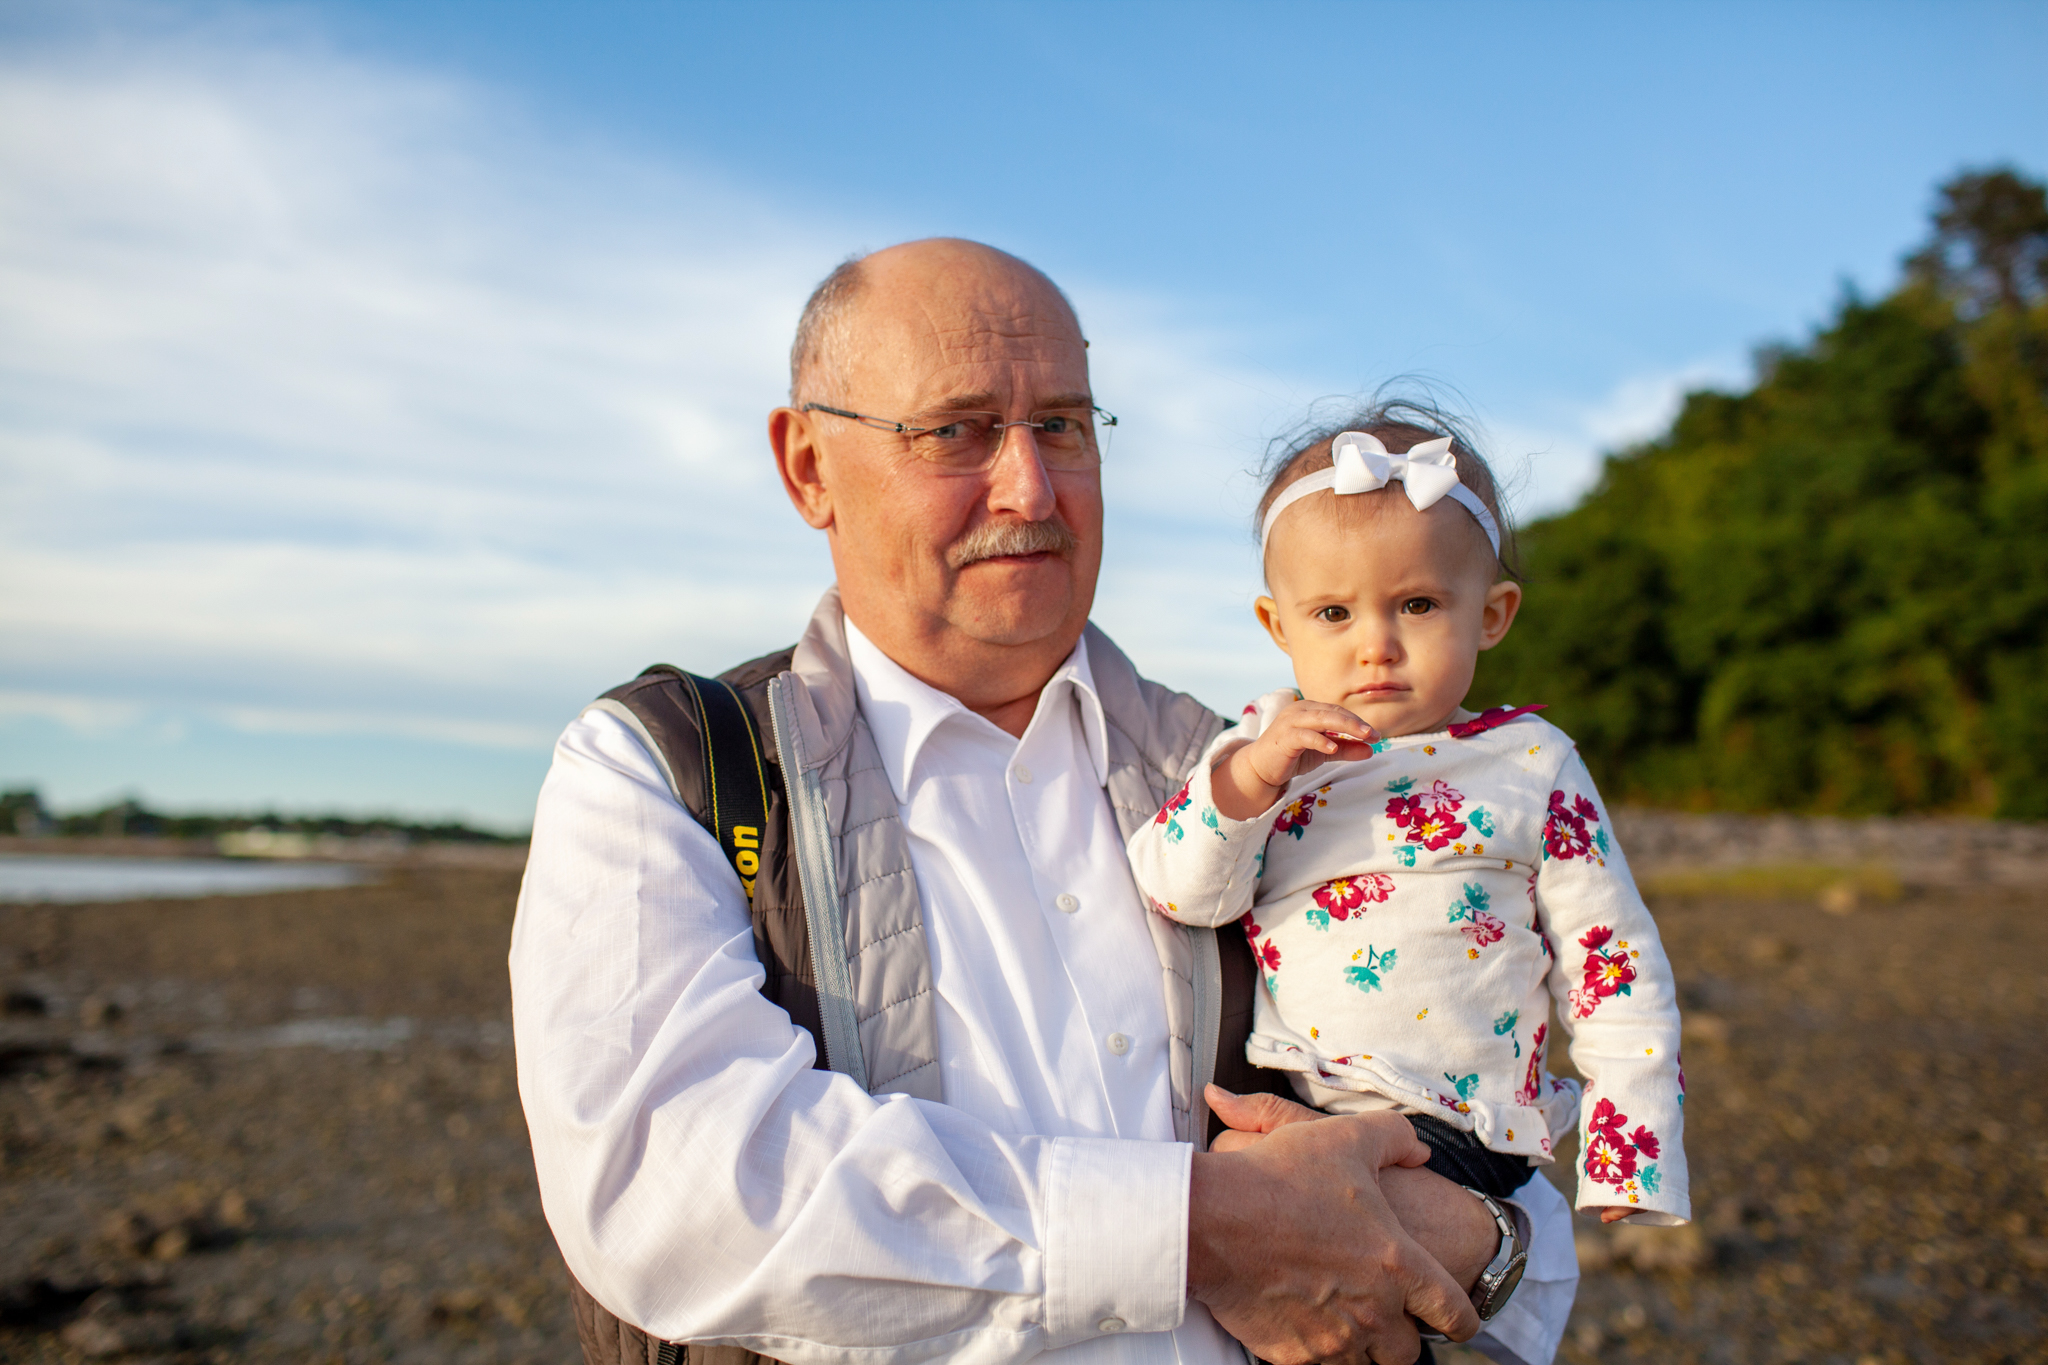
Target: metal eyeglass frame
column 1106, row 417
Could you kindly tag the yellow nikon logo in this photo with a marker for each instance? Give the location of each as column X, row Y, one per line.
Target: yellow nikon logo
column 747, row 839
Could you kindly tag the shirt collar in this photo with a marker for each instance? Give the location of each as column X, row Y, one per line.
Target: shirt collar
column 904, row 712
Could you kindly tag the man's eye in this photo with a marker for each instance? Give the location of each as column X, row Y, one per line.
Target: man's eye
column 1333, row 614
column 952, row 431
column 1418, row 606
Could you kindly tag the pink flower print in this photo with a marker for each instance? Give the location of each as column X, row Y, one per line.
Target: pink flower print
column 1532, row 1085
column 1430, row 816
column 1296, row 814
column 1482, row 928
column 1564, row 839
column 1350, row 895
column 1264, row 949
column 1438, row 829
column 1609, row 1160
column 1609, row 973
column 1443, row 796
column 1611, row 1157
column 1175, row 804
column 1564, row 828
column 1405, row 810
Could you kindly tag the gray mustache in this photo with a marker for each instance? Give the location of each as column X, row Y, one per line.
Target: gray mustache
column 993, row 539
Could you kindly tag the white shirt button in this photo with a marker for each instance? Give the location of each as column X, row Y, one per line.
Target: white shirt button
column 1068, row 902
column 1118, row 1044
column 1110, row 1325
column 1021, row 773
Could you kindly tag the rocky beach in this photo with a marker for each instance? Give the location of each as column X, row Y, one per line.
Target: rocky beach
column 284, row 1127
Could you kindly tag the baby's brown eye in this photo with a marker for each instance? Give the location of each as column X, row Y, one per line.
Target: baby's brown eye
column 1333, row 615
column 1418, row 606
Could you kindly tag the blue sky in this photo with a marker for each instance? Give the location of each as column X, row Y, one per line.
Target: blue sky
column 380, row 381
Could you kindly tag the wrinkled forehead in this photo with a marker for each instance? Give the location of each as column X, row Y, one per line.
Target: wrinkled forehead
column 993, row 336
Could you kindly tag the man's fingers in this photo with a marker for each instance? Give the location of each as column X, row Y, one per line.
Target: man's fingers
column 1434, row 1298
column 1398, row 1144
column 1231, row 1140
column 1257, row 1113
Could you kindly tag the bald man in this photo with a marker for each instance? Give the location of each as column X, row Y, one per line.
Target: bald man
column 932, row 1083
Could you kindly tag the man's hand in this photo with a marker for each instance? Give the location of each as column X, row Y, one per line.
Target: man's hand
column 1441, row 1215
column 1293, row 1246
column 1301, row 738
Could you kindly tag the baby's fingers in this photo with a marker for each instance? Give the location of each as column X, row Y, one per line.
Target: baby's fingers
column 1336, row 722
column 1331, row 732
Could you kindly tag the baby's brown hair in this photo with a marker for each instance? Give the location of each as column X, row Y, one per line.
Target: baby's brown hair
column 1400, row 423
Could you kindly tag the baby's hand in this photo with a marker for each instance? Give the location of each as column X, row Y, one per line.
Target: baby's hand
column 1301, row 738
column 1614, row 1215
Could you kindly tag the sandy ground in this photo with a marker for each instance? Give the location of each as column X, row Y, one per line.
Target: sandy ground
column 285, row 1128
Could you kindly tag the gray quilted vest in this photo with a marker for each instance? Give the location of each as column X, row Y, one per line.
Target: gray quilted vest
column 835, row 871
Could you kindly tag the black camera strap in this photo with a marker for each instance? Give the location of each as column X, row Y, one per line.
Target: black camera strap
column 735, row 781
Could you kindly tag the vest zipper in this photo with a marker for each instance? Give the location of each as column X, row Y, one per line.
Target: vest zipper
column 1207, row 1027
column 824, row 917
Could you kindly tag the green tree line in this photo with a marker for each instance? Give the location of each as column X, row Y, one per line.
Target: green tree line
column 23, row 812
column 1829, row 593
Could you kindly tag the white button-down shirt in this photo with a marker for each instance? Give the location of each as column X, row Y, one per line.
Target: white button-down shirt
column 1035, row 928
column 706, row 1182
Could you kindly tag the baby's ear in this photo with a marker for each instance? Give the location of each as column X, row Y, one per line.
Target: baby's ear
column 1503, row 600
column 1268, row 612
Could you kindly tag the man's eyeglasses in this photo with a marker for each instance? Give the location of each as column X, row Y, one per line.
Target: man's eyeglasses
column 967, row 442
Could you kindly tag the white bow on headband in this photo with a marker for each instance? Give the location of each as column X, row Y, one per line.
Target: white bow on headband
column 1428, row 473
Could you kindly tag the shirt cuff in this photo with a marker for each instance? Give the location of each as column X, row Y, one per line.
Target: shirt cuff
column 1116, row 1239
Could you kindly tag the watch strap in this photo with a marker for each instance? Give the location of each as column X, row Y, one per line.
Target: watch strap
column 1497, row 1281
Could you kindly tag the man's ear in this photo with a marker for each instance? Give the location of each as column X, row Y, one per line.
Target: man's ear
column 793, row 436
column 1269, row 616
column 1503, row 600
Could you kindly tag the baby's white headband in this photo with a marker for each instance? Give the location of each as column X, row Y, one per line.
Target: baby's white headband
column 1427, row 472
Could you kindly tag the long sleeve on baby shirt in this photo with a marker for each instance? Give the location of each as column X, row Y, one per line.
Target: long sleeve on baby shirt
column 1618, row 1002
column 1194, row 864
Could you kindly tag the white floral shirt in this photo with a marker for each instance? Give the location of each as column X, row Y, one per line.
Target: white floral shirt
column 1416, row 912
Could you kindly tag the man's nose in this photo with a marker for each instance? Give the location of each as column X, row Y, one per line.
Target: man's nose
column 1017, row 479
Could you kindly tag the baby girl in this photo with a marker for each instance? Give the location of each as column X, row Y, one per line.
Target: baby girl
column 1420, row 883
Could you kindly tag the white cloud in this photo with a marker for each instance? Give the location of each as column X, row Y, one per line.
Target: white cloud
column 341, row 399
column 325, row 386
column 83, row 714
column 334, row 400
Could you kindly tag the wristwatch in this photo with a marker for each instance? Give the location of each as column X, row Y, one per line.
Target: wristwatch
column 1497, row 1282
